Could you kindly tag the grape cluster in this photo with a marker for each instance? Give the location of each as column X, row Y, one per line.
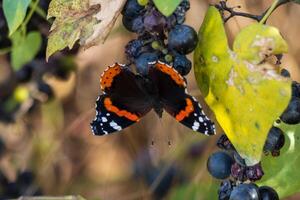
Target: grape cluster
column 238, row 178
column 160, row 38
column 28, row 84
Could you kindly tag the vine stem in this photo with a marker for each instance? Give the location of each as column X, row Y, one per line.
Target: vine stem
column 28, row 17
column 269, row 12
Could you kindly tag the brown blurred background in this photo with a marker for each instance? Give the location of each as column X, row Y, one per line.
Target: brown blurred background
column 55, row 141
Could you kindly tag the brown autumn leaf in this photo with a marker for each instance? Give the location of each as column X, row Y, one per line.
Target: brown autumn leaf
column 89, row 21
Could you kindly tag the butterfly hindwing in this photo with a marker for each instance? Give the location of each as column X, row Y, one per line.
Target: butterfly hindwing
column 183, row 107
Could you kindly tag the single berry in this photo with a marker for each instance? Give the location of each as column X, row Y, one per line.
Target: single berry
column 219, row 165
column 132, row 9
column 169, row 58
column 275, row 140
column 292, row 113
column 225, row 189
column 267, row 193
column 238, row 172
column 224, row 143
column 285, row 73
column 156, row 45
column 296, row 89
column 254, row 173
column 183, row 39
column 171, row 21
column 155, row 22
column 134, row 48
column 133, row 24
column 182, row 64
column 245, row 192
column 143, row 2
column 142, row 62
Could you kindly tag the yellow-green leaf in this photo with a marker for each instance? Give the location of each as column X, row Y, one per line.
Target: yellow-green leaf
column 255, row 42
column 79, row 20
column 245, row 96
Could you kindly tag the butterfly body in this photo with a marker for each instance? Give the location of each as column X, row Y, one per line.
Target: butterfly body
column 128, row 97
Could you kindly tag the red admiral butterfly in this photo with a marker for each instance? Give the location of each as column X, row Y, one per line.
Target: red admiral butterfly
column 128, row 97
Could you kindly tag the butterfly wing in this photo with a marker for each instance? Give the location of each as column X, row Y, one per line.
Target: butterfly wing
column 123, row 103
column 182, row 106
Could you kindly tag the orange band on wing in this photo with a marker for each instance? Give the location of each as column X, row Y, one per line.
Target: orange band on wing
column 187, row 111
column 108, row 76
column 171, row 72
column 121, row 113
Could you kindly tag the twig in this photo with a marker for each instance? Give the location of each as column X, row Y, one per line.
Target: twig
column 222, row 6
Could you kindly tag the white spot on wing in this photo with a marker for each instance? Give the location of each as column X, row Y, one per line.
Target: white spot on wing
column 104, row 119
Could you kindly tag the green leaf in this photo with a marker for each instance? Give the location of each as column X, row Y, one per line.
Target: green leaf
column 246, row 96
column 282, row 173
column 297, row 1
column 167, row 7
column 15, row 12
column 24, row 48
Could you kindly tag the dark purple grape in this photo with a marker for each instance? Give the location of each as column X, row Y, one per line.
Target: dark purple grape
column 135, row 25
column 154, row 22
column 224, row 143
column 267, row 193
column 292, row 113
column 142, row 62
column 285, row 73
column 275, row 140
column 219, row 165
column 295, row 89
column 245, row 192
column 254, row 173
column 132, row 9
column 225, row 189
column 181, row 10
column 171, row 21
column 182, row 64
column 183, row 39
column 238, row 172
column 134, row 48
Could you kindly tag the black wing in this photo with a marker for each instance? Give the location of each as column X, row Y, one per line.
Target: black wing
column 182, row 106
column 123, row 103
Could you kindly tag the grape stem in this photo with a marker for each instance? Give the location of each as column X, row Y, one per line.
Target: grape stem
column 259, row 18
column 269, row 12
column 33, row 7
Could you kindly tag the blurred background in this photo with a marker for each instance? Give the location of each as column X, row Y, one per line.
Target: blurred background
column 46, row 145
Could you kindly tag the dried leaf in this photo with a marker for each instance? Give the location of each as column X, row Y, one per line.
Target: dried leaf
column 88, row 21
